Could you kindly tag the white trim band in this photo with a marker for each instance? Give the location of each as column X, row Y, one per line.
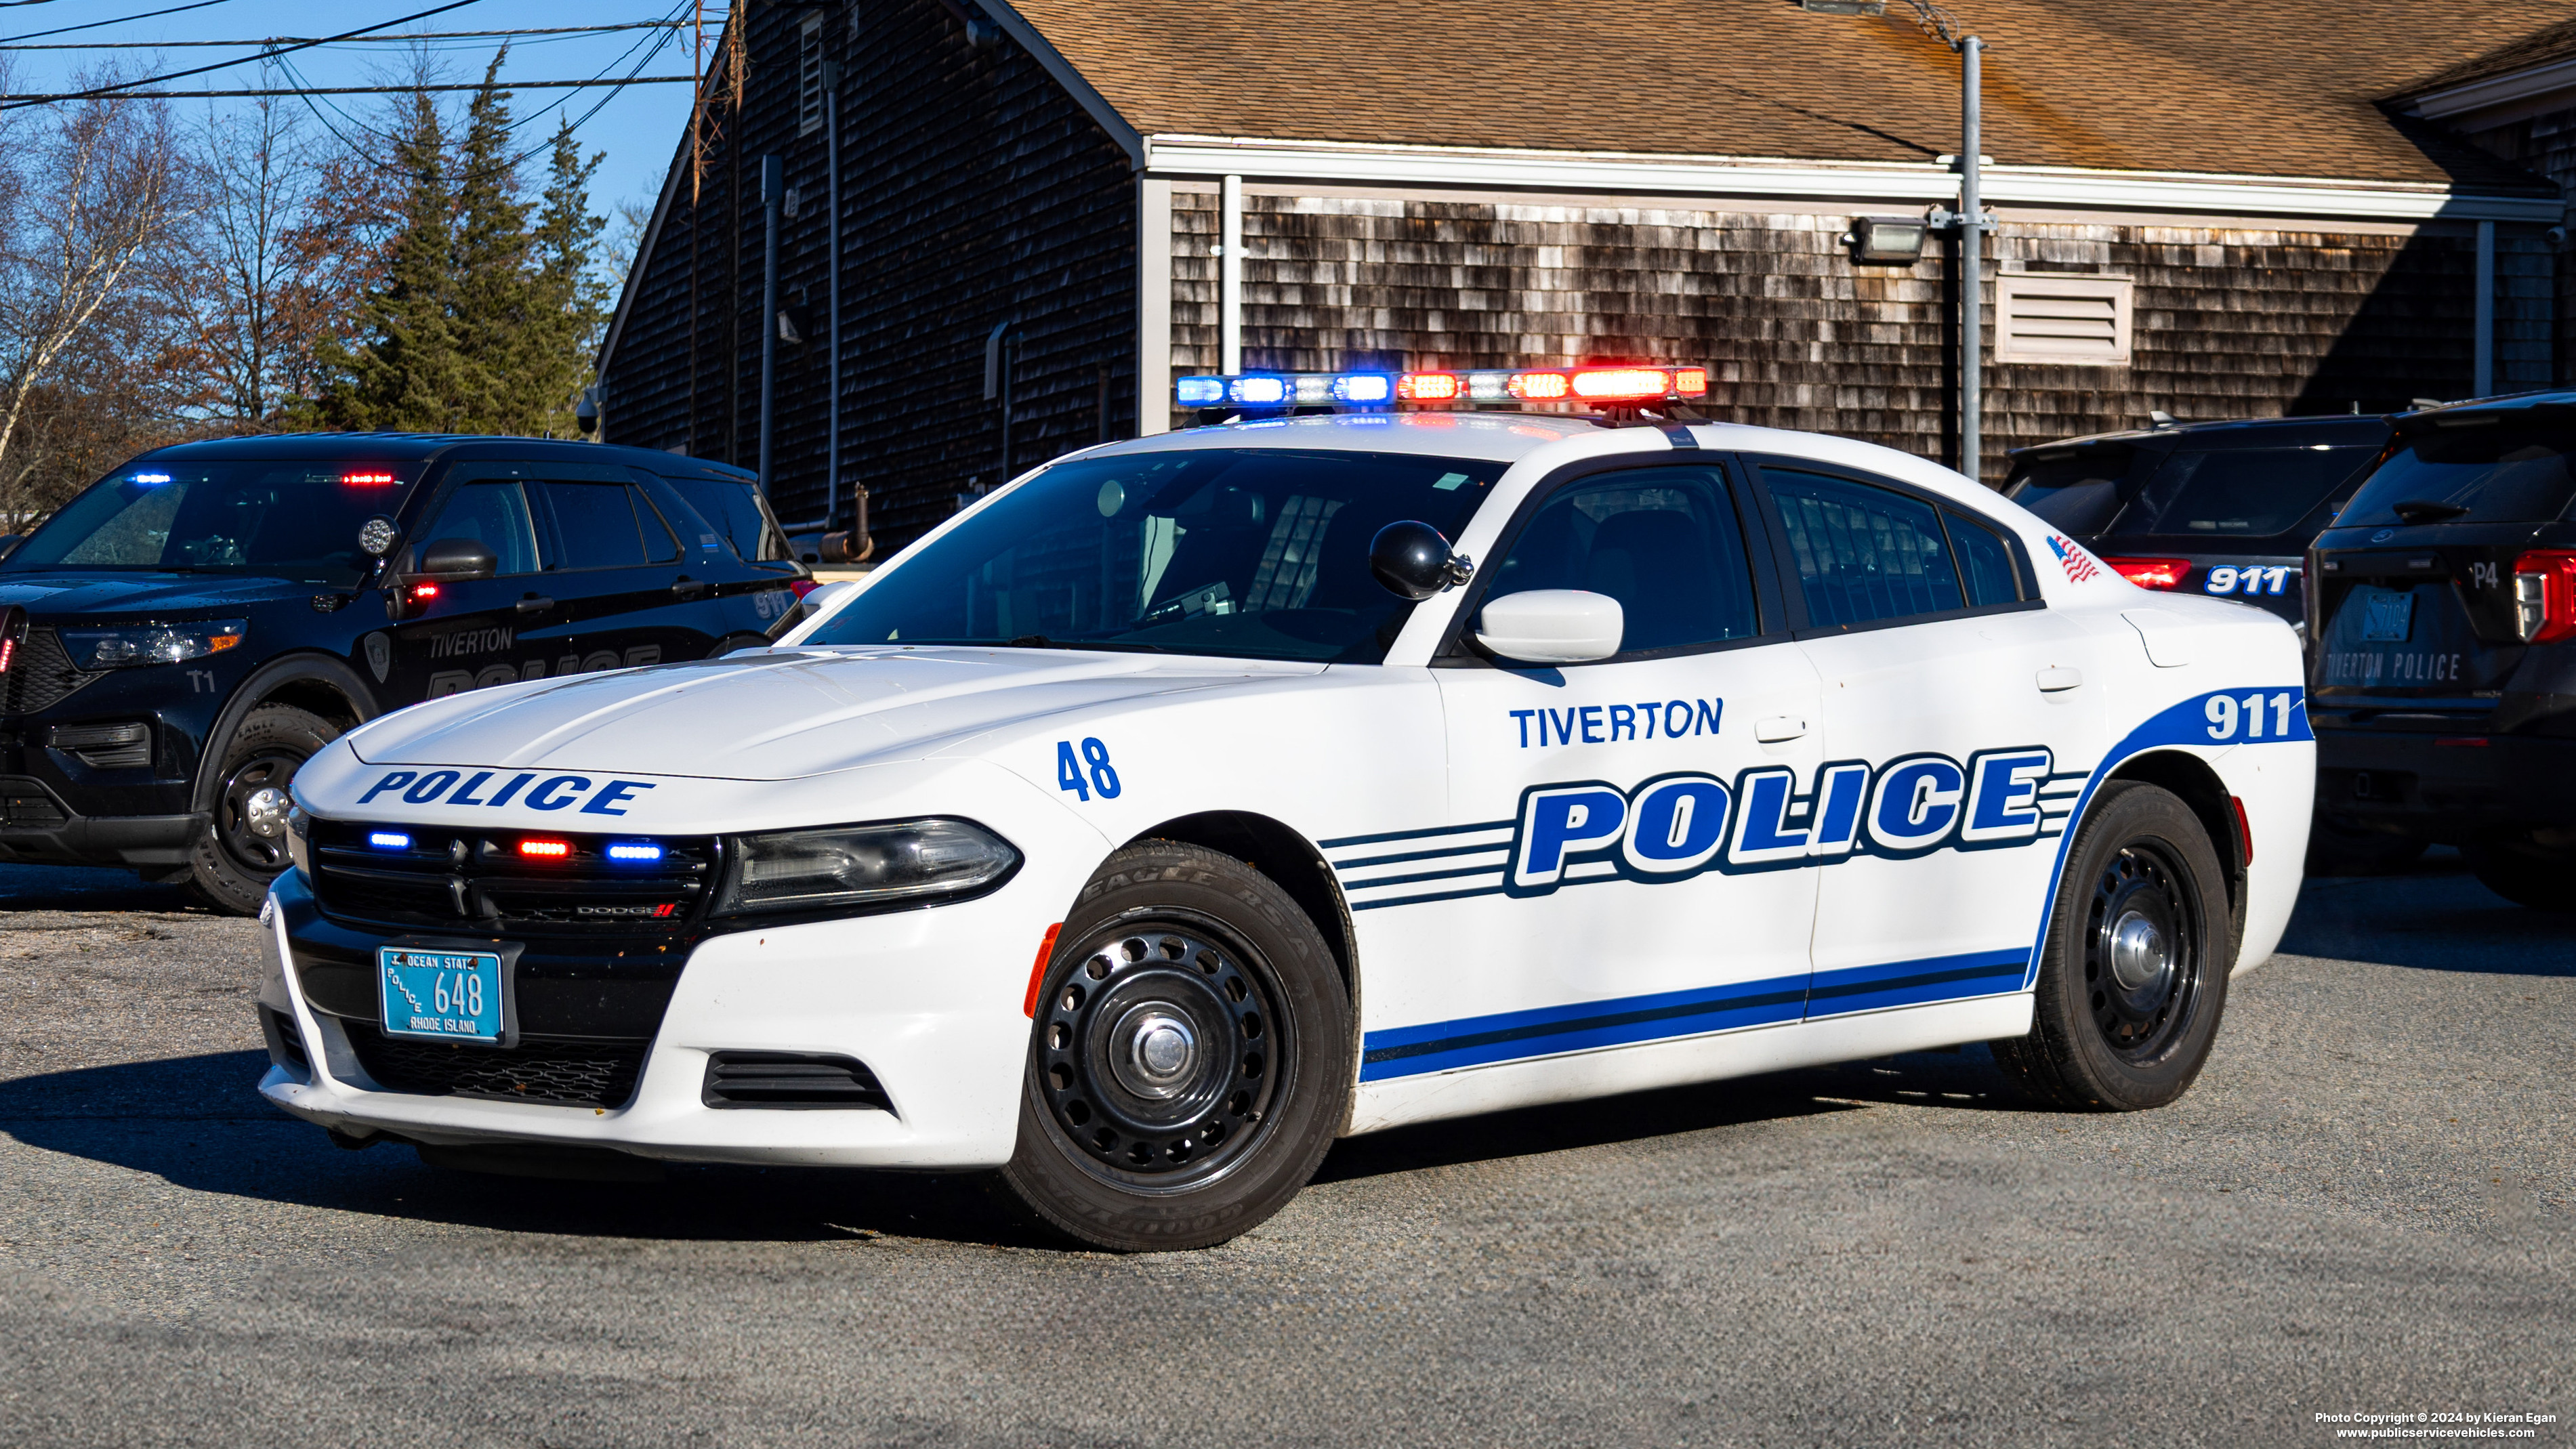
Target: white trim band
column 1926, row 182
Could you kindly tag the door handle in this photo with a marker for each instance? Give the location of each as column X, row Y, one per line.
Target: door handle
column 688, row 588
column 535, row 604
column 1779, row 729
column 2057, row 678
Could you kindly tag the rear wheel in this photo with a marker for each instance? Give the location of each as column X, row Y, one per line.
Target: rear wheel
column 2525, row 873
column 1191, row 1058
column 243, row 846
column 2133, row 976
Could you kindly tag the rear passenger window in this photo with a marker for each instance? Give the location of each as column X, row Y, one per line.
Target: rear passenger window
column 596, row 526
column 1864, row 554
column 1985, row 560
column 1662, row 541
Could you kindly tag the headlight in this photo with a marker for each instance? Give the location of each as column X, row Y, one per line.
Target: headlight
column 856, row 865
column 134, row 644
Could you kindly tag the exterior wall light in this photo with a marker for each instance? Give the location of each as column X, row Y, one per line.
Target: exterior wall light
column 1885, row 241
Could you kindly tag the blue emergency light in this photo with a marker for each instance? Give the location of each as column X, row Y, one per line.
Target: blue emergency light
column 388, row 840
column 634, row 851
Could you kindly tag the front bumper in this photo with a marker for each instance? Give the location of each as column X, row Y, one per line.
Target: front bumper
column 2446, row 787
column 928, row 1000
column 38, row 827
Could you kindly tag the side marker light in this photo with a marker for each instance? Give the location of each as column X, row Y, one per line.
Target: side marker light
column 2244, row 832
column 1037, row 973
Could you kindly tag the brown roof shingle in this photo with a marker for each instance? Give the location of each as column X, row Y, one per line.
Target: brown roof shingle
column 2289, row 88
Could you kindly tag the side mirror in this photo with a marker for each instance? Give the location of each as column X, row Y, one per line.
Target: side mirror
column 1414, row 562
column 458, row 558
column 1551, row 626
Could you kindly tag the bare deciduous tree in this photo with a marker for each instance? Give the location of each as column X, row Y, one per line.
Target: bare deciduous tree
column 281, row 241
column 85, row 187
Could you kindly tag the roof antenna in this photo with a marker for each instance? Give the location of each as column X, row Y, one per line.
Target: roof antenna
column 2159, row 418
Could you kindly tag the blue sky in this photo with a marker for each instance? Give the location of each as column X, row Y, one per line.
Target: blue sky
column 636, row 128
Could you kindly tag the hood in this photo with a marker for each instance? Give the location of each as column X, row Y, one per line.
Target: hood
column 80, row 594
column 778, row 715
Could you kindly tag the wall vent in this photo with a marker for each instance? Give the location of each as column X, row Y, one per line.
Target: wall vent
column 809, row 76
column 2067, row 320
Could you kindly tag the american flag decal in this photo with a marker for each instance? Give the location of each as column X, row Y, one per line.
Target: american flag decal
column 2078, row 564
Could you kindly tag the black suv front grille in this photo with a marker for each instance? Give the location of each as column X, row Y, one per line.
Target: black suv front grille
column 28, row 805
column 447, row 879
column 40, row 675
column 567, row 1072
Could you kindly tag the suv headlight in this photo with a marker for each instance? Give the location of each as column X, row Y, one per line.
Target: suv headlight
column 128, row 645
column 857, row 865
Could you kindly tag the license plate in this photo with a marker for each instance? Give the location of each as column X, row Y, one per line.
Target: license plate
column 2390, row 620
column 442, row 995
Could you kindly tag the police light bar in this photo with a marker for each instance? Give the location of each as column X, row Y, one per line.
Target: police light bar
column 1475, row 385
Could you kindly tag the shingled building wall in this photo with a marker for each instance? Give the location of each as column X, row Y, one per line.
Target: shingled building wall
column 2230, row 320
column 973, row 190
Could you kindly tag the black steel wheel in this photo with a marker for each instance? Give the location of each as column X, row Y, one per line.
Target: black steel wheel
column 2133, row 974
column 1156, row 1051
column 243, row 845
column 1191, row 1058
column 2524, row 871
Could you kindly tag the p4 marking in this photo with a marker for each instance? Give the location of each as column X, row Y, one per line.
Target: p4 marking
column 1675, row 826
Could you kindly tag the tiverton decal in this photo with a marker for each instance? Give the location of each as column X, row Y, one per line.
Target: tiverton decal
column 1601, row 724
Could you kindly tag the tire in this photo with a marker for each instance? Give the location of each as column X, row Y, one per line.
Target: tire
column 235, row 858
column 1191, row 1058
column 2526, row 874
column 2121, row 1025
column 2337, row 848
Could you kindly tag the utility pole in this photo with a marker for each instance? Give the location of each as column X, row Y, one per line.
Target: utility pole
column 1970, row 219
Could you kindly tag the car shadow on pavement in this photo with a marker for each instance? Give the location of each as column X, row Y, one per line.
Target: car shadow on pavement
column 76, row 888
column 2423, row 919
column 196, row 1123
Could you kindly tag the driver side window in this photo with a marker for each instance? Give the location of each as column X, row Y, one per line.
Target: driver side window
column 494, row 514
column 1664, row 542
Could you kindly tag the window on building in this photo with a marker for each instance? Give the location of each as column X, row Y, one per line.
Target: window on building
column 2069, row 321
column 809, row 76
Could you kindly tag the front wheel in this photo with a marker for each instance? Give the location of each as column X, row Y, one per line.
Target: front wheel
column 2133, row 975
column 1191, row 1058
column 243, row 846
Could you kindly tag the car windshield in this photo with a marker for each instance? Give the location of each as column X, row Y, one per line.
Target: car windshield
column 2078, row 494
column 2241, row 492
column 1247, row 552
column 2475, row 471
column 290, row 520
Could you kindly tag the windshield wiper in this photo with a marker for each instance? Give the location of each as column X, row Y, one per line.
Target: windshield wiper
column 2418, row 510
column 1040, row 641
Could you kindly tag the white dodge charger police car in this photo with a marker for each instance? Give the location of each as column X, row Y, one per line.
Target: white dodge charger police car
column 1199, row 799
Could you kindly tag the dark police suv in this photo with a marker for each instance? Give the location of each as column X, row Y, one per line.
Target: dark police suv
column 179, row 638
column 2210, row 508
column 2442, row 667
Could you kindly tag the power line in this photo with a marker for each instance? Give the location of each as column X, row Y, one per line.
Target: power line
column 16, row 104
column 551, row 85
column 97, row 24
column 354, row 40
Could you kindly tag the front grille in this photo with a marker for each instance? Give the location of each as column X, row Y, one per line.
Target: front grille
column 570, row 1072
column 40, row 675
column 28, row 805
column 791, row 1079
column 447, row 879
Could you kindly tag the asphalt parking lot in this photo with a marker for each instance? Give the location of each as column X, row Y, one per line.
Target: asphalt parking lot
column 2365, row 1206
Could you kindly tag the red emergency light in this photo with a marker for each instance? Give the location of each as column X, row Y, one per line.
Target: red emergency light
column 366, row 480
column 2152, row 573
column 545, row 849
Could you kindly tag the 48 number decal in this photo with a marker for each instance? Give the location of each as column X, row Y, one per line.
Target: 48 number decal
column 1088, row 773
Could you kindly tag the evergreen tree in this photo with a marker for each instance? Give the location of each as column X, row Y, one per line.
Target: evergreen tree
column 406, row 372
column 483, row 324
